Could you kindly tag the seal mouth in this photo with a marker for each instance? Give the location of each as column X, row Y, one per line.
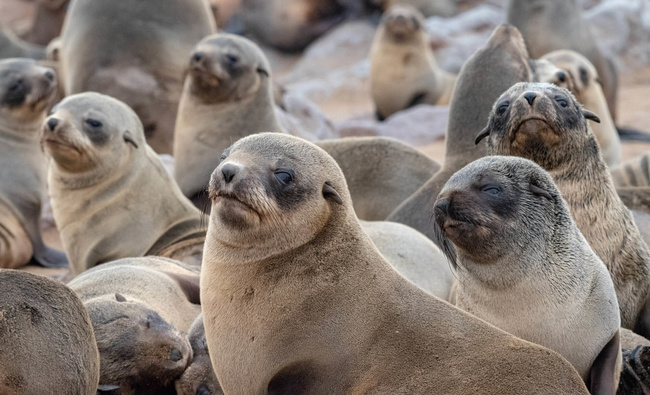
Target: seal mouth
column 516, row 129
column 204, row 75
column 231, row 197
column 55, row 144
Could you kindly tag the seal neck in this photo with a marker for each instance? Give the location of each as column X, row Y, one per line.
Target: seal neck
column 21, row 131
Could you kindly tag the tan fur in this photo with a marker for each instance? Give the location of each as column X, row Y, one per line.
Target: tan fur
column 135, row 51
column 381, row 172
column 140, row 314
column 633, row 173
column 220, row 104
column 549, row 25
column 402, row 64
column 630, row 340
column 297, row 299
column 412, row 255
column 47, row 345
column 110, row 198
column 199, row 377
column 502, row 62
column 581, row 78
column 546, row 286
column 48, row 21
column 445, row 8
column 22, row 163
column 560, row 140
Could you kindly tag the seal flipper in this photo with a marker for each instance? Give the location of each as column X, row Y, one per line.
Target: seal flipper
column 49, row 257
column 189, row 284
column 605, row 371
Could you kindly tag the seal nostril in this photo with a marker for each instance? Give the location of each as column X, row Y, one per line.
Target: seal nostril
column 197, row 56
column 530, row 97
column 561, row 76
column 175, row 355
column 52, row 123
column 229, row 172
column 442, row 206
column 49, row 76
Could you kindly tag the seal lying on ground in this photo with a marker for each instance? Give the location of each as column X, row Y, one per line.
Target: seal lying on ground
column 296, row 298
column 111, row 195
column 141, row 310
column 26, row 93
column 546, row 124
column 523, row 265
column 47, row 343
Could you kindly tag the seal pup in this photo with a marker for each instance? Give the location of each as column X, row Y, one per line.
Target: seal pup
column 47, row 343
column 580, row 77
column 297, row 299
column 502, row 62
column 26, row 93
column 546, row 124
column 444, row 8
column 227, row 95
column 141, row 310
column 381, row 172
column 199, row 377
column 111, row 196
column 403, row 68
column 134, row 51
column 523, row 265
column 549, row 25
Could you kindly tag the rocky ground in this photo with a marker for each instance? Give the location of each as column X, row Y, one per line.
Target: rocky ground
column 333, row 71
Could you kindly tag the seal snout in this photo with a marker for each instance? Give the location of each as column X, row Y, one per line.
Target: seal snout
column 530, row 97
column 52, row 123
column 229, row 172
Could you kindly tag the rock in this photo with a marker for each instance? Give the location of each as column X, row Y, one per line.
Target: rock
column 419, row 125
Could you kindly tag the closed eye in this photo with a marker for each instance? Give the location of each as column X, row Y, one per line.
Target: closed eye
column 93, row 123
column 285, row 176
column 491, row 189
column 562, row 101
column 502, row 108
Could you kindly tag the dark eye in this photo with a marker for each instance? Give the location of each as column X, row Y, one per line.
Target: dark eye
column 15, row 85
column 493, row 190
column 562, row 102
column 285, row 176
column 93, row 123
column 232, row 60
column 503, row 107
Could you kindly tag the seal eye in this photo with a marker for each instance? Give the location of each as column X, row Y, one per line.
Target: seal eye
column 492, row 189
column 562, row 102
column 503, row 107
column 93, row 123
column 15, row 85
column 285, row 176
column 232, row 60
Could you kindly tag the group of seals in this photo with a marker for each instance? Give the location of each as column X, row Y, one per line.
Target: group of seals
column 296, row 299
column 502, row 62
column 47, row 343
column 403, row 69
column 549, row 25
column 111, row 196
column 26, row 93
column 227, row 95
column 141, row 309
column 135, row 51
column 546, row 124
column 523, row 265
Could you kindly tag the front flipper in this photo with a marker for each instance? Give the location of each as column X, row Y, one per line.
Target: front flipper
column 606, row 369
column 49, row 257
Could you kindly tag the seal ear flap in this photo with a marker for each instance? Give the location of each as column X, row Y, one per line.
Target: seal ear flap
column 590, row 115
column 539, row 191
column 330, row 193
column 108, row 389
column 263, row 71
column 129, row 139
column 119, row 297
column 602, row 376
column 482, row 134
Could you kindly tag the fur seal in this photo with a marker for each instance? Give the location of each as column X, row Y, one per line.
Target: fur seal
column 141, row 310
column 296, row 298
column 199, row 377
column 502, row 62
column 549, row 25
column 48, row 21
column 381, row 172
column 134, row 51
column 444, row 8
column 26, row 93
column 227, row 95
column 546, row 124
column 111, row 196
column 47, row 343
column 580, row 77
column 523, row 265
column 11, row 46
column 403, row 68
column 633, row 172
